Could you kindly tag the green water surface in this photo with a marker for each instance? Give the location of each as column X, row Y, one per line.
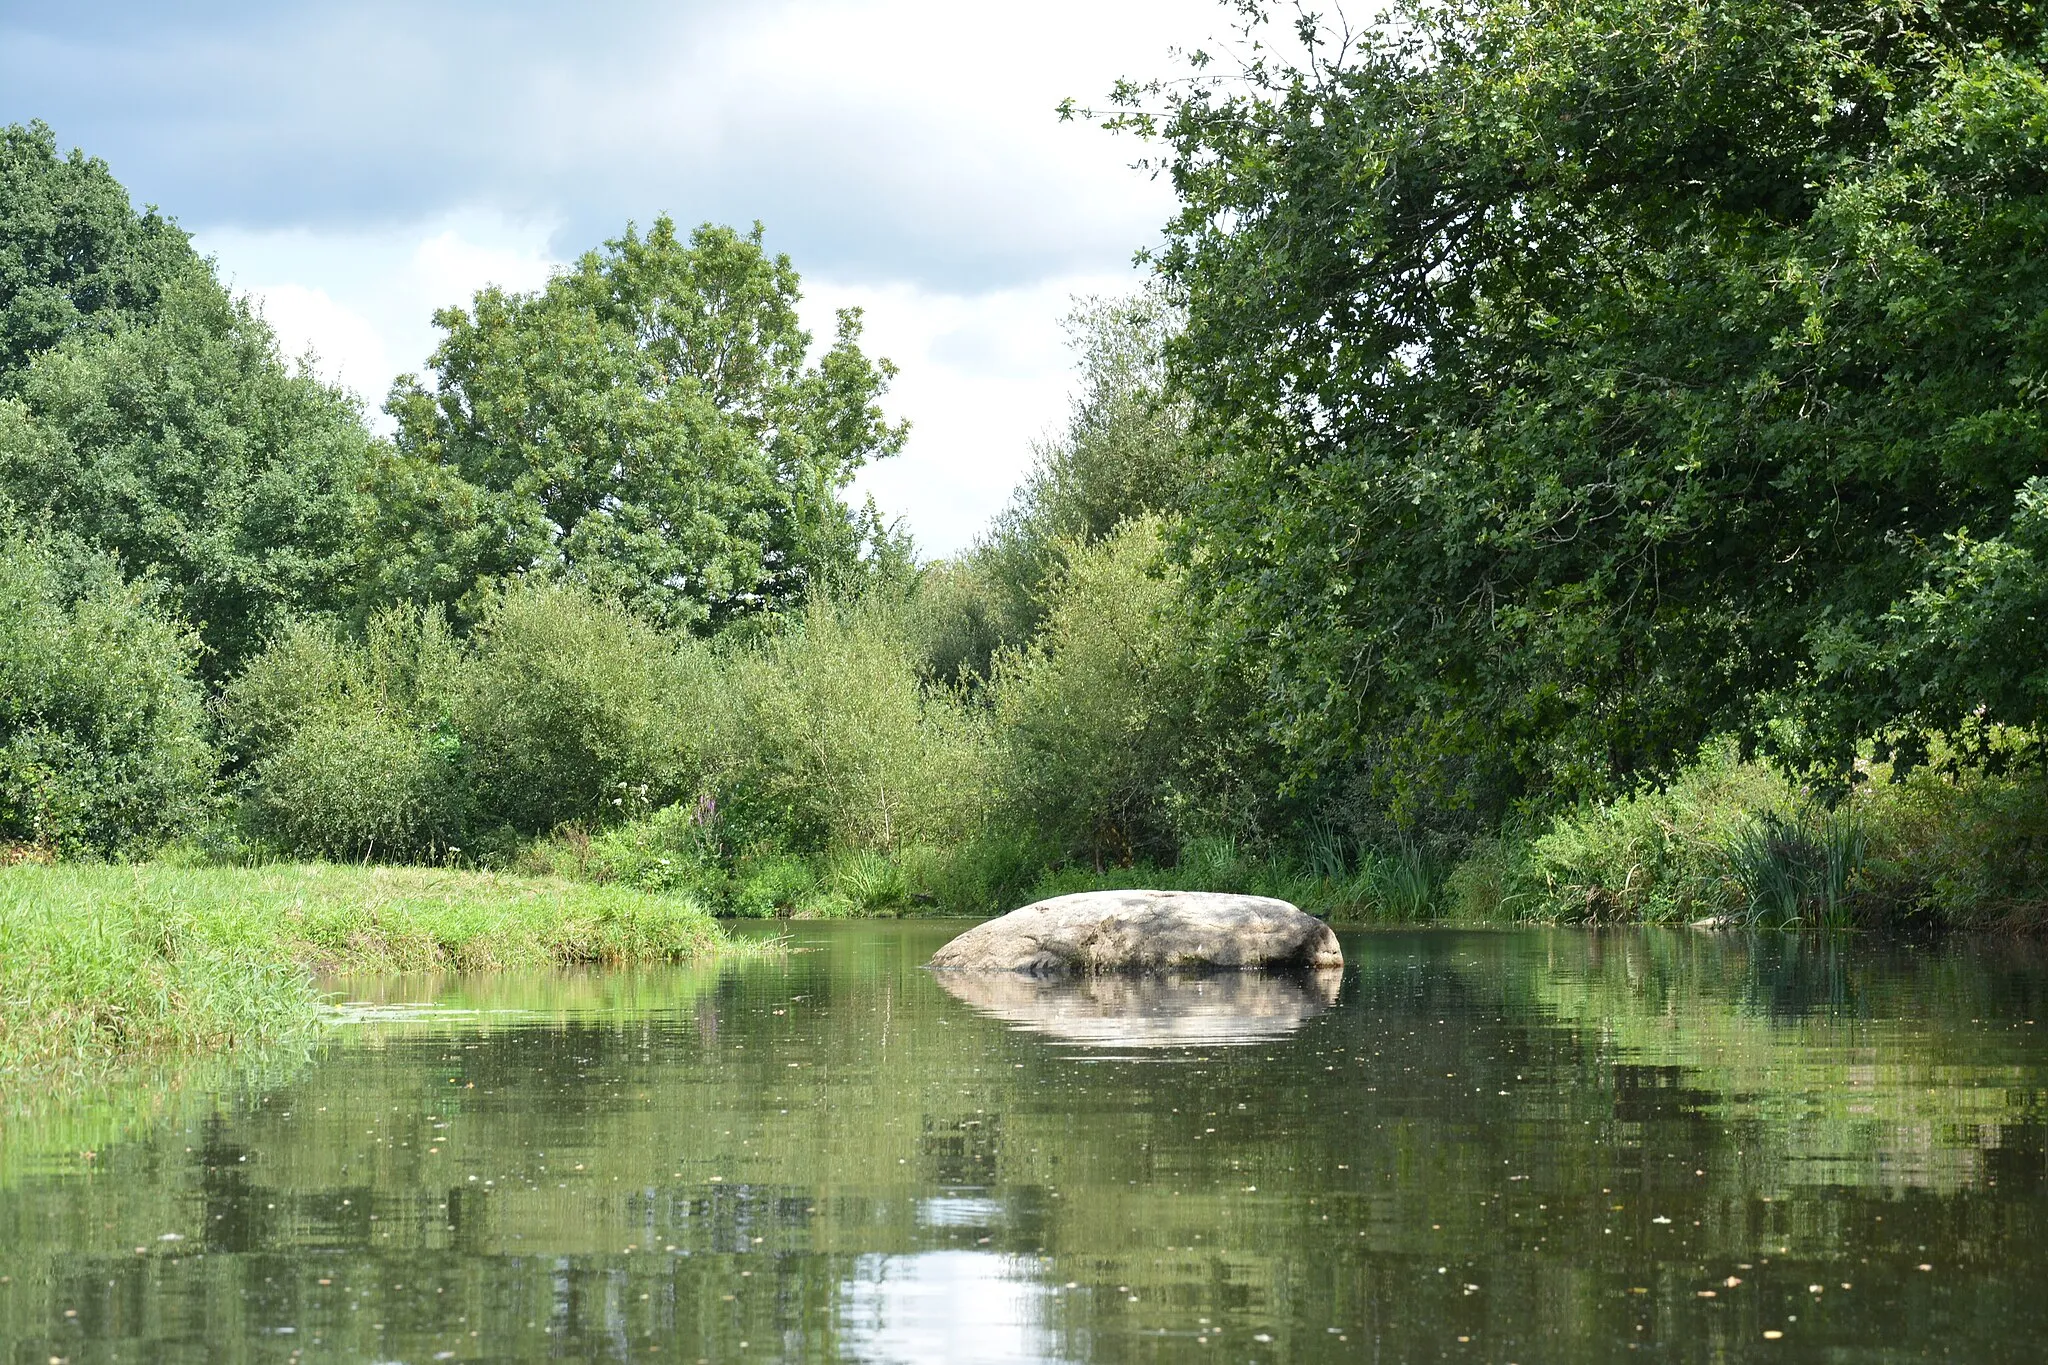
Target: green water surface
column 1479, row 1146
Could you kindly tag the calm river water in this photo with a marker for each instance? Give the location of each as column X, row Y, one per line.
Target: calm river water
column 1483, row 1146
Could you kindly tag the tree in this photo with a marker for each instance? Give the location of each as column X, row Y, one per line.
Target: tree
column 1097, row 716
column 75, row 257
column 1581, row 380
column 186, row 447
column 646, row 425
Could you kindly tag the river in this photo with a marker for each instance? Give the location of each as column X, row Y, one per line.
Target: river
column 1512, row 1146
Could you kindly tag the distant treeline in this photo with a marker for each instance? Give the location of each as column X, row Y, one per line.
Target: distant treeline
column 1572, row 462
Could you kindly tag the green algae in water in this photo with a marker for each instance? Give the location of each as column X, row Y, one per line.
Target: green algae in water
column 1512, row 1146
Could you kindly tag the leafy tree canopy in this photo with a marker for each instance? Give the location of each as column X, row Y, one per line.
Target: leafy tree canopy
column 1582, row 379
column 646, row 425
column 189, row 449
column 75, row 257
column 1122, row 455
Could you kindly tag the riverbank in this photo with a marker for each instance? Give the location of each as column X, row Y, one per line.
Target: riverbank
column 100, row 963
column 102, row 966
column 1727, row 841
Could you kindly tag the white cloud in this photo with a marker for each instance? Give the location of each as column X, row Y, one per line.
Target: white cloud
column 983, row 376
column 880, row 138
column 346, row 347
column 453, row 263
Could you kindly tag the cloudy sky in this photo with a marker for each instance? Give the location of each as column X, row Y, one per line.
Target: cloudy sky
column 356, row 165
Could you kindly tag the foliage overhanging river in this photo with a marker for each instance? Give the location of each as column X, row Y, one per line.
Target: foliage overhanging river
column 1490, row 1146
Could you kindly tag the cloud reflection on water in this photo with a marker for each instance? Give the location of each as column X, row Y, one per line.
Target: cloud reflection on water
column 963, row 1307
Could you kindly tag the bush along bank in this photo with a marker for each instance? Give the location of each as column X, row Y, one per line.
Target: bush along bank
column 1732, row 843
column 824, row 767
column 106, row 965
column 842, row 761
column 1727, row 843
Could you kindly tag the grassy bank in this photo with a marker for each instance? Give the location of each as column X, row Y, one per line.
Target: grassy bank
column 1727, row 842
column 104, row 965
column 1947, row 846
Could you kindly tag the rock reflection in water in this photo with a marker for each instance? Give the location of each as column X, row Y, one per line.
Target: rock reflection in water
column 1210, row 1010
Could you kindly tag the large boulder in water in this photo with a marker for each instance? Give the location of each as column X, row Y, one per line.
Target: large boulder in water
column 1144, row 931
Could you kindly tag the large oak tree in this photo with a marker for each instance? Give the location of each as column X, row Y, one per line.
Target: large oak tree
column 650, row 425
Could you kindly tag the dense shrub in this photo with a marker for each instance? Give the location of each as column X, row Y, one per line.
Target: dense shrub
column 359, row 782
column 829, row 739
column 558, row 708
column 1093, row 718
column 671, row 849
column 1950, row 844
column 1661, row 854
column 572, row 709
column 102, row 727
column 958, row 615
column 561, row 709
column 1955, row 844
column 350, row 747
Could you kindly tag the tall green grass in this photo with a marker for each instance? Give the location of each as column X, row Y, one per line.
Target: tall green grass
column 101, row 965
column 1728, row 841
